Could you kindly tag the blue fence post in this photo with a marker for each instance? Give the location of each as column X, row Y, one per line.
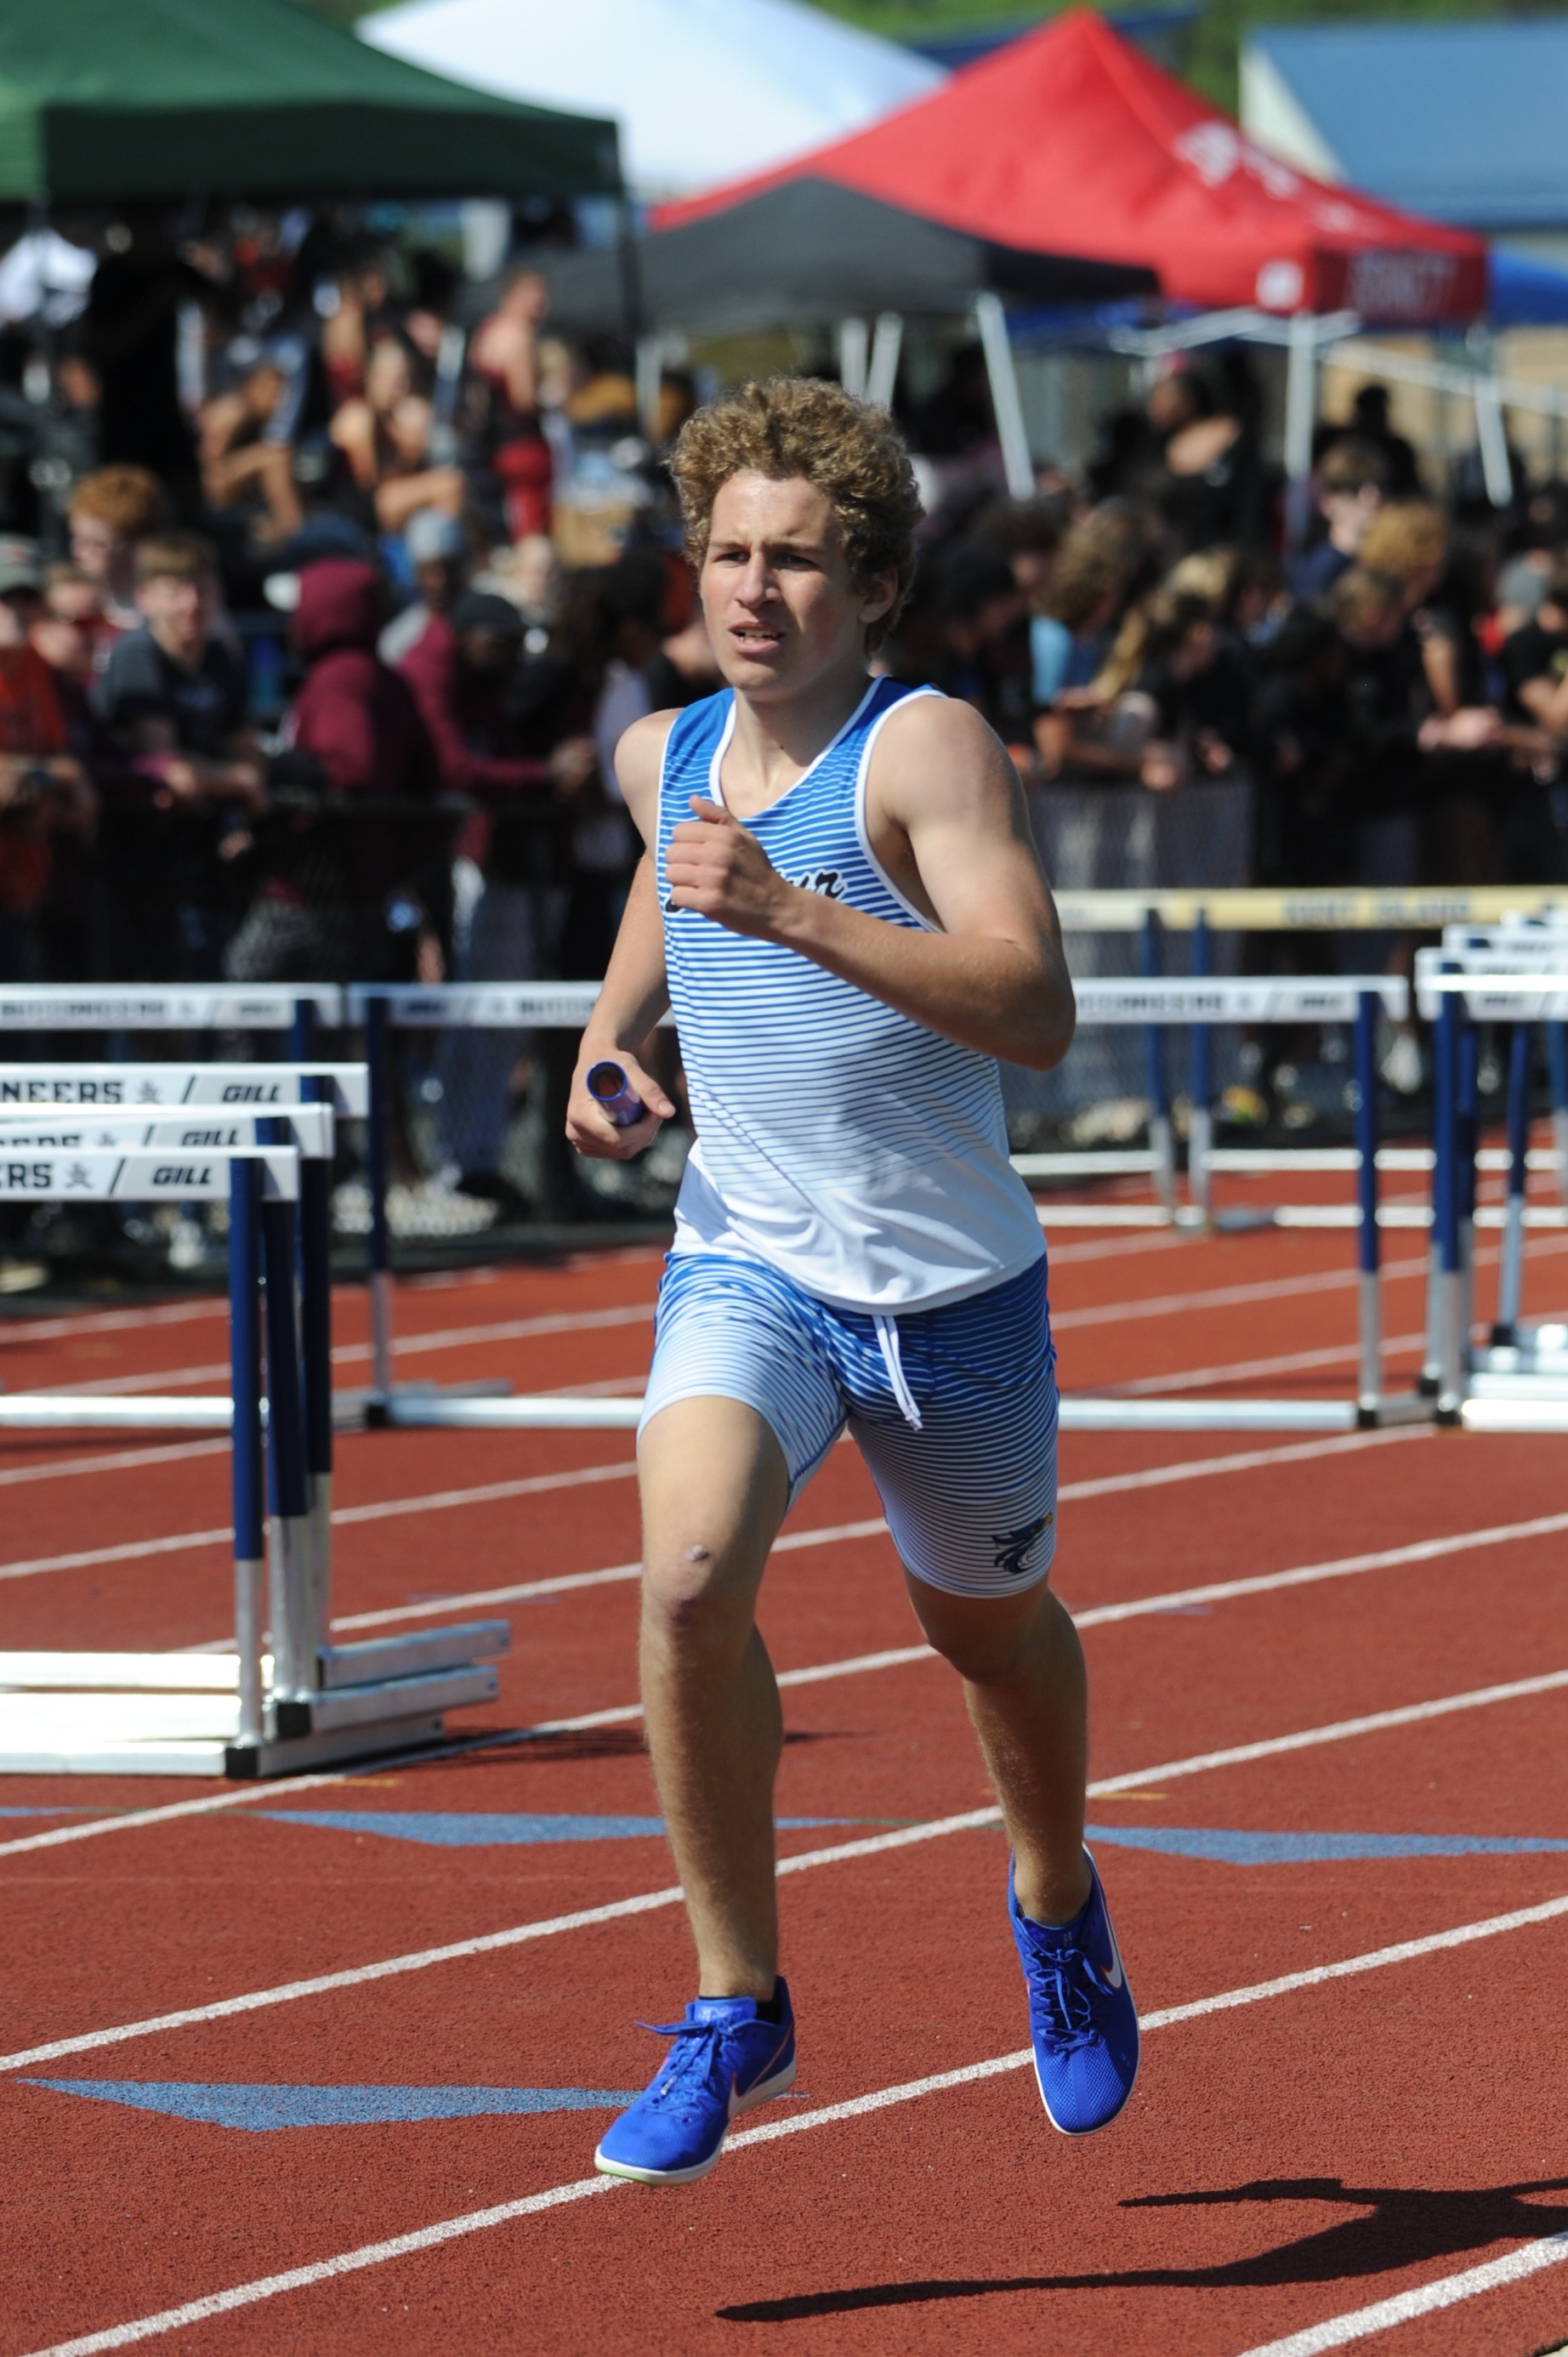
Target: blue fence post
column 376, row 1175
column 1201, row 1112
column 1510, row 1271
column 294, row 1670
column 1162, row 1145
column 1446, row 1201
column 1557, row 1082
column 1468, row 1123
column 1369, row 1256
column 316, row 1337
column 245, row 1390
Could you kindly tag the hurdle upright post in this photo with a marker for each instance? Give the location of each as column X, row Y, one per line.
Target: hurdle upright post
column 1511, row 1269
column 1557, row 1080
column 1162, row 1143
column 1467, row 1127
column 376, row 1178
column 245, row 1388
column 1445, row 1209
column 1200, row 1114
column 315, row 1339
column 1369, row 1300
column 294, row 1669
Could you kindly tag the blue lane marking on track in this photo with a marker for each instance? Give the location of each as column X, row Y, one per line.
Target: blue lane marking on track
column 475, row 1829
column 331, row 2107
column 1226, row 1848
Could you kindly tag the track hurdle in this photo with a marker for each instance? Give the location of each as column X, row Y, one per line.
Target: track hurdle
column 492, row 1006
column 1519, row 1385
column 1152, row 1005
column 70, row 1107
column 252, row 1713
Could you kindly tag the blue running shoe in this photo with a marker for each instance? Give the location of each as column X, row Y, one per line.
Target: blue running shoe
column 726, row 2058
column 1081, row 2013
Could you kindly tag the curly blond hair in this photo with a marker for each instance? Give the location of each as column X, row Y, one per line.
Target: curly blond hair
column 790, row 426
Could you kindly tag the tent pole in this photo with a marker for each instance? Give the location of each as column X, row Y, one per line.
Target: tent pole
column 882, row 377
column 649, row 379
column 992, row 321
column 853, row 345
column 1491, row 435
column 1301, row 405
column 630, row 262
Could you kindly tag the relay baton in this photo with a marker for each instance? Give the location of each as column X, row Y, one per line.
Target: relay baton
column 614, row 1094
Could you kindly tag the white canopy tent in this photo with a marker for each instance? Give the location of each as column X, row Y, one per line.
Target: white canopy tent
column 704, row 90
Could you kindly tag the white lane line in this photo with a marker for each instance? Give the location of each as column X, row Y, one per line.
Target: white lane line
column 798, row 1862
column 347, row 1354
column 1237, row 1296
column 1359, row 2323
column 1421, row 2301
column 515, row 1330
column 1245, row 1460
column 1093, row 1617
column 129, row 1551
column 1156, row 1476
column 116, row 1460
column 379, row 1510
column 1342, row 1730
column 113, row 1321
column 828, row 1535
column 1098, row 1616
column 1307, row 1574
column 492, row 1492
column 1239, row 1371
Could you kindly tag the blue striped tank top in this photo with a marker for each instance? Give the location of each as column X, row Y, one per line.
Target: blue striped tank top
column 860, row 1155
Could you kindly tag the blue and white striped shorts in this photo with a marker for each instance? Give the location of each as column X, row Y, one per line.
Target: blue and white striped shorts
column 954, row 1409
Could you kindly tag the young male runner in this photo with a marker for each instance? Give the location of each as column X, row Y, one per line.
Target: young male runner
column 842, row 903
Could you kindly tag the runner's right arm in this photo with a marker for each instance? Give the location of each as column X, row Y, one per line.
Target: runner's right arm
column 636, row 993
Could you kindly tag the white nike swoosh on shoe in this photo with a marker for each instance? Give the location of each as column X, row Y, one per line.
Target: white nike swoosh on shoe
column 1115, row 1977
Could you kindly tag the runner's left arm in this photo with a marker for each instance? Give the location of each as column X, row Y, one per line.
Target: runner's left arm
column 635, row 991
column 947, row 818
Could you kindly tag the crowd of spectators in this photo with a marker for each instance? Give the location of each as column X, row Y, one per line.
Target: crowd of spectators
column 316, row 667
column 1391, row 694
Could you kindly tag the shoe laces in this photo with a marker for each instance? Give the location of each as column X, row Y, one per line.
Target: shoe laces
column 1062, row 1992
column 691, row 2068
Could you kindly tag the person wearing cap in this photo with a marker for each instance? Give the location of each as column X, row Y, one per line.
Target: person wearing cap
column 43, row 788
column 436, row 548
column 461, row 669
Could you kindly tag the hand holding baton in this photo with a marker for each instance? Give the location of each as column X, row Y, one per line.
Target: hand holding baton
column 614, row 1094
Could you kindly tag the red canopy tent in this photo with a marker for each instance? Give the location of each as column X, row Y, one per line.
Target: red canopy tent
column 1071, row 141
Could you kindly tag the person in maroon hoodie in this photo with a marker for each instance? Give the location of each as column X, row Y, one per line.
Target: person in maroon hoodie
column 339, row 902
column 462, row 671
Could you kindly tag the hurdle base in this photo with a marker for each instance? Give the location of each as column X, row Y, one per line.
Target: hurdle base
column 287, row 1755
column 368, row 1703
column 1398, row 1407
column 1535, row 1351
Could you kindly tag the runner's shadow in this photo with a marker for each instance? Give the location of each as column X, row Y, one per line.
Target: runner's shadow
column 1401, row 2226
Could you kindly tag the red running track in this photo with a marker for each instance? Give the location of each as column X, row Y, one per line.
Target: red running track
column 1369, row 2154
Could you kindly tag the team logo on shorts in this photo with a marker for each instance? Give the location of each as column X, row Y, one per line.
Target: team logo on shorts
column 1014, row 1548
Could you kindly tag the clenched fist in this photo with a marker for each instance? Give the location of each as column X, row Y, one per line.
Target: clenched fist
column 718, row 867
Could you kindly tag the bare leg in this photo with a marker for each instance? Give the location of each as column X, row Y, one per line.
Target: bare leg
column 1022, row 1674
column 715, row 1488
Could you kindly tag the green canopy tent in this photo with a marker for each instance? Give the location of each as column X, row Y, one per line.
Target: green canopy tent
column 113, row 102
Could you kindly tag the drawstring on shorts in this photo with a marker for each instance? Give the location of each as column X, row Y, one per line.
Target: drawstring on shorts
column 887, row 1338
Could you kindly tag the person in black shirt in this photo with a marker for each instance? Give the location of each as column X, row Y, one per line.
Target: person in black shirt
column 173, row 696
column 1535, row 659
column 131, row 332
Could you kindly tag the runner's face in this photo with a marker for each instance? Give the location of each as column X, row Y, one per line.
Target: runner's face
column 781, row 610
